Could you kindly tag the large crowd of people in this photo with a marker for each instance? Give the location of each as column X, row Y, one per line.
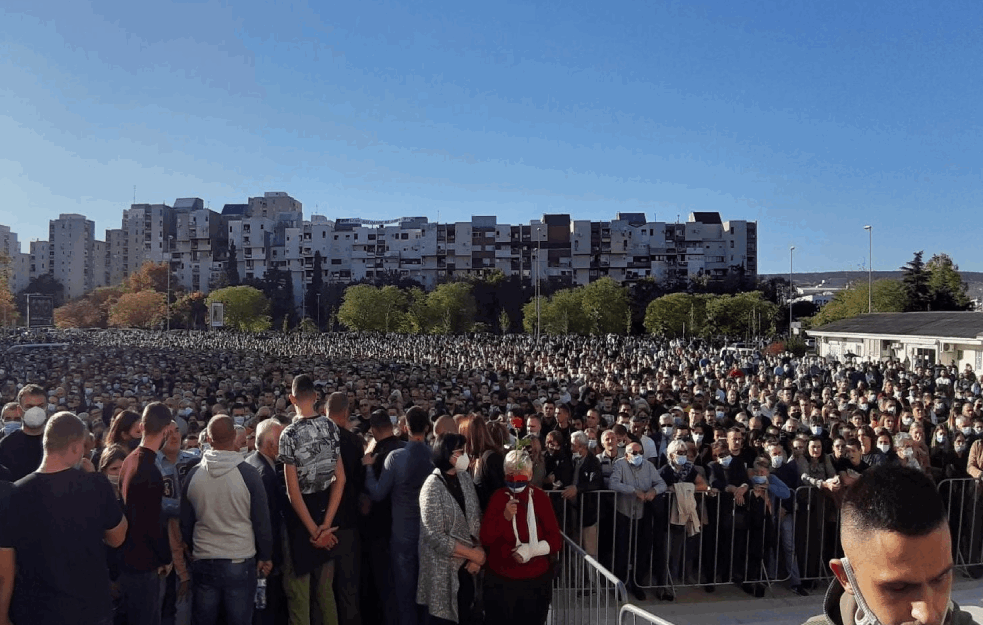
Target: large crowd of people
column 150, row 477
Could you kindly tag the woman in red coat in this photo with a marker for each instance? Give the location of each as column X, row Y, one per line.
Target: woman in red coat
column 519, row 533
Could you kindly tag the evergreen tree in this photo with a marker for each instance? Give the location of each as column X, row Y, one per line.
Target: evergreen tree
column 915, row 281
column 947, row 291
column 232, row 267
column 315, row 287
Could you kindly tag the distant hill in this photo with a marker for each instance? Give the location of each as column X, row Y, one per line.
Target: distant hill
column 973, row 279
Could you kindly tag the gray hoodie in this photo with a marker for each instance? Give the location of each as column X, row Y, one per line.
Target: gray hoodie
column 224, row 514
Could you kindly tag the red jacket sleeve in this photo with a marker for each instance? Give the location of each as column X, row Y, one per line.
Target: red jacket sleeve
column 496, row 532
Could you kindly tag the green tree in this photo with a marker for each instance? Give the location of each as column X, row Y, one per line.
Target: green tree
column 915, row 280
column 246, row 308
column 677, row 314
column 361, row 308
column 422, row 318
column 453, row 307
column 947, row 291
column 889, row 296
column 742, row 314
column 561, row 313
column 605, row 305
column 315, row 287
column 392, row 304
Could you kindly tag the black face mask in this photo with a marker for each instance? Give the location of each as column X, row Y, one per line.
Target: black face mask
column 132, row 444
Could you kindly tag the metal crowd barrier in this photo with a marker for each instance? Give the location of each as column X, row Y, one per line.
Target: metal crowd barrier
column 736, row 546
column 633, row 615
column 963, row 498
column 584, row 592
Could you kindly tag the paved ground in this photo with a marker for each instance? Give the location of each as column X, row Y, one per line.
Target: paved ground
column 730, row 606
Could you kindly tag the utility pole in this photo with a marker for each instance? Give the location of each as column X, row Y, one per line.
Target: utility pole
column 870, row 268
column 791, row 293
column 170, row 240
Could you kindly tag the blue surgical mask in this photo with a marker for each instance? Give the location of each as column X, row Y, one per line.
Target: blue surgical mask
column 759, row 480
column 637, row 460
column 725, row 462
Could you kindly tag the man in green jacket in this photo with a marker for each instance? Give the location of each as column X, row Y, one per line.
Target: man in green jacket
column 897, row 566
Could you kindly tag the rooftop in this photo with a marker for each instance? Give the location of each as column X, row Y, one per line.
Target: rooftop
column 940, row 324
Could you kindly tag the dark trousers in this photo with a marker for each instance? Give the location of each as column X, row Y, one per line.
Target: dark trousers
column 640, row 534
column 517, row 601
column 225, row 587
column 347, row 556
column 378, row 598
column 141, row 596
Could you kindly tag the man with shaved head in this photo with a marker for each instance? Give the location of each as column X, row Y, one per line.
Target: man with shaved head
column 225, row 519
column 897, row 566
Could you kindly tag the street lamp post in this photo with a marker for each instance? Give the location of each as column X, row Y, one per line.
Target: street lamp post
column 870, row 268
column 170, row 241
column 539, row 252
column 790, row 291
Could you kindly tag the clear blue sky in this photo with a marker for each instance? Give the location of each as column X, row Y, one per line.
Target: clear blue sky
column 813, row 118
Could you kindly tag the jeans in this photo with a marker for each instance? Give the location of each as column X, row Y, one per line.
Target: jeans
column 406, row 568
column 786, row 531
column 141, row 596
column 224, row 586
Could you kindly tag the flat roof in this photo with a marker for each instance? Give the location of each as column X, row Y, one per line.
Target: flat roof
column 933, row 324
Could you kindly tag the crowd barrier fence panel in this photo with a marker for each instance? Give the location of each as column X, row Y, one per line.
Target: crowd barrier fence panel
column 634, row 615
column 963, row 498
column 584, row 592
column 730, row 550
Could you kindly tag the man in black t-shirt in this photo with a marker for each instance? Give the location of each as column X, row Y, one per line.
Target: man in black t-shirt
column 21, row 450
column 53, row 533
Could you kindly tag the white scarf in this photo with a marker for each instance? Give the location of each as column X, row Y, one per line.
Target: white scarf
column 535, row 547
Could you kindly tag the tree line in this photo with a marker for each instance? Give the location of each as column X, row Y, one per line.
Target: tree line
column 936, row 285
column 491, row 302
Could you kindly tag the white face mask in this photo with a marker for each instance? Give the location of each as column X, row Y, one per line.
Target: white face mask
column 777, row 461
column 576, row 455
column 462, row 462
column 681, row 459
column 35, row 417
column 884, row 447
column 698, row 439
column 907, row 452
column 667, row 431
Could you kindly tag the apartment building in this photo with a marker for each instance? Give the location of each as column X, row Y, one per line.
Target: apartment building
column 270, row 231
column 71, row 253
column 200, row 247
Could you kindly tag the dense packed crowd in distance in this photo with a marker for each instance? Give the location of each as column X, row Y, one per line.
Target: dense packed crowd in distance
column 350, row 478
